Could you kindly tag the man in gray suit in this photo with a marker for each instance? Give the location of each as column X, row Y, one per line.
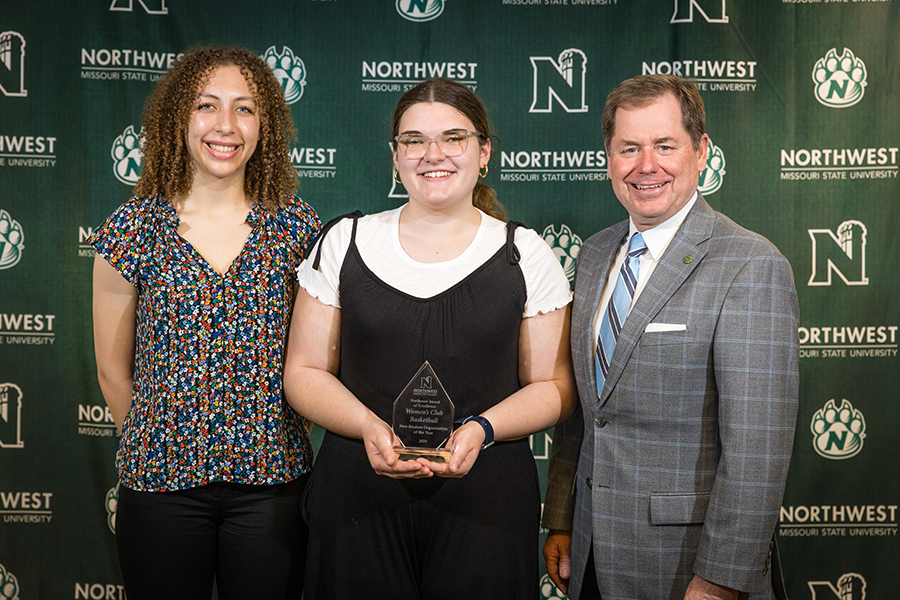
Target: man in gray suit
column 668, row 482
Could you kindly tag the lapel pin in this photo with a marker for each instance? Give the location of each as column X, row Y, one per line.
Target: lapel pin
column 688, row 259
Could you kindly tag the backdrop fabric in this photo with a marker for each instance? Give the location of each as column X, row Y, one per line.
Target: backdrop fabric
column 802, row 113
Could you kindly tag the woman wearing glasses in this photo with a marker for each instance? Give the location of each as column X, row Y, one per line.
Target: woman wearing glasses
column 441, row 279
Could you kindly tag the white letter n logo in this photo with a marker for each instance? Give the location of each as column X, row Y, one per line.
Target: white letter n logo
column 844, row 253
column 684, row 11
column 563, row 80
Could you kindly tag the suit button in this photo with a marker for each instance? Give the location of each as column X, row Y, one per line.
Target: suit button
column 600, row 422
column 589, row 482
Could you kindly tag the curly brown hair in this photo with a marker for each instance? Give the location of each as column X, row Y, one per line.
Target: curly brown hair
column 460, row 97
column 270, row 177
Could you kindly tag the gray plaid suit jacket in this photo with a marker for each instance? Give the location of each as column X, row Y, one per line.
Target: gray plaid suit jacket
column 678, row 468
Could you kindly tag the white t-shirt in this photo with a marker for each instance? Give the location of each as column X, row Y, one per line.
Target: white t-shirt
column 378, row 242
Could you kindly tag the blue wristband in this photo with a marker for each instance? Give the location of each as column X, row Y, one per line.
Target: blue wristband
column 486, row 425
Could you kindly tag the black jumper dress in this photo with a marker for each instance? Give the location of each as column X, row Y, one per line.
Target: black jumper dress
column 473, row 537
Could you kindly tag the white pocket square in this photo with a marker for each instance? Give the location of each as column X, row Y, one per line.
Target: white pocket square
column 658, row 327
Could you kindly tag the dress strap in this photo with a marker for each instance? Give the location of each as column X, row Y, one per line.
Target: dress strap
column 355, row 215
column 512, row 253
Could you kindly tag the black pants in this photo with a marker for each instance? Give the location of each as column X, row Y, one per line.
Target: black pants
column 251, row 539
column 589, row 588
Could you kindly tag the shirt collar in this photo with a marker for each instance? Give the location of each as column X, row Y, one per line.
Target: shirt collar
column 658, row 238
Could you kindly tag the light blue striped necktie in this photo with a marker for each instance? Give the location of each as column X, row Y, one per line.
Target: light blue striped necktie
column 617, row 309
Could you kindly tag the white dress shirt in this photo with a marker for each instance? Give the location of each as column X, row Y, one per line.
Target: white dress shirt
column 657, row 240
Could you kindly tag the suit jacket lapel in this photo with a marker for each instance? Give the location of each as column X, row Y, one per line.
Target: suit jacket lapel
column 592, row 274
column 684, row 253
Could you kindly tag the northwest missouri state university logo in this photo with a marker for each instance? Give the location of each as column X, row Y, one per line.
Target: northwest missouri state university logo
column 11, row 416
column 96, row 591
column 12, row 64
column 126, row 64
column 9, row 585
column 400, row 76
column 27, row 151
column 127, row 157
column 420, row 10
column 850, row 586
column 712, row 11
column 28, row 329
column 32, row 508
column 565, row 245
column 96, row 421
column 709, row 75
column 843, row 254
column 848, row 341
column 838, row 520
column 560, row 79
column 838, row 431
column 533, row 165
column 314, row 162
column 12, row 241
column 840, row 80
column 151, row 7
column 712, row 176
column 829, row 164
column 85, row 250
column 112, row 506
column 289, row 70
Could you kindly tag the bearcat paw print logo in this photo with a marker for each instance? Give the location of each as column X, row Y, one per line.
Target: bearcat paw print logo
column 712, row 176
column 289, row 70
column 12, row 241
column 838, row 432
column 112, row 507
column 565, row 245
column 9, row 585
column 840, row 81
column 549, row 591
column 126, row 155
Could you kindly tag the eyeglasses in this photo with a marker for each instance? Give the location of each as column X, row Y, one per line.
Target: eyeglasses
column 451, row 143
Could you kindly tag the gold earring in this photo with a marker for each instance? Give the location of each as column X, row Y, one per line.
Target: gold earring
column 483, row 175
column 397, row 177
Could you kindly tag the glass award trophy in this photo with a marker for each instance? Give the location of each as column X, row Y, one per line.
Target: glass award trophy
column 423, row 418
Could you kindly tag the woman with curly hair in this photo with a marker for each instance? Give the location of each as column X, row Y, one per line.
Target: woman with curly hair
column 194, row 280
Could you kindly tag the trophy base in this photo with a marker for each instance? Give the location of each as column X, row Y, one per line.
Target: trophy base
column 435, row 455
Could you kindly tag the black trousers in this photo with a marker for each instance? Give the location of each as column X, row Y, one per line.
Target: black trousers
column 589, row 588
column 250, row 539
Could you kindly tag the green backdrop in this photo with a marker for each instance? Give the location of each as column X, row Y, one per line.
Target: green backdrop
column 802, row 103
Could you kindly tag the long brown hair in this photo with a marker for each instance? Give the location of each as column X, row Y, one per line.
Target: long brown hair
column 270, row 177
column 460, row 97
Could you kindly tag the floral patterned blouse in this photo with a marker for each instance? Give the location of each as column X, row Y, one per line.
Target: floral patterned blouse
column 207, row 402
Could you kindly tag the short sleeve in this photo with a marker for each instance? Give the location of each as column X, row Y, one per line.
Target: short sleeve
column 323, row 282
column 121, row 238
column 545, row 280
column 300, row 222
